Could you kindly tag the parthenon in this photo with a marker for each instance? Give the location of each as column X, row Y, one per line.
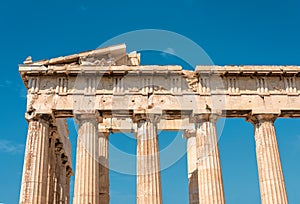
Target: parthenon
column 107, row 90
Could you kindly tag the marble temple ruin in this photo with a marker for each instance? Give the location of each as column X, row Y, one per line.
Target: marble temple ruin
column 107, row 90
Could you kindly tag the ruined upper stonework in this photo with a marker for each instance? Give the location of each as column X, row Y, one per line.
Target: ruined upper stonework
column 117, row 81
column 107, row 90
column 113, row 55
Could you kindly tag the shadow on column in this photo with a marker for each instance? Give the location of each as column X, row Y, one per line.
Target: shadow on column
column 193, row 188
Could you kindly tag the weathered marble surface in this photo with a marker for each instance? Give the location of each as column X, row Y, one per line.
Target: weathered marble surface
column 125, row 95
column 271, row 180
column 148, row 164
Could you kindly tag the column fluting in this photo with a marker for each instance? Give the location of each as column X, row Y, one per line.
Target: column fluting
column 271, row 180
column 148, row 163
column 208, row 161
column 35, row 170
column 87, row 167
column 192, row 166
column 103, row 168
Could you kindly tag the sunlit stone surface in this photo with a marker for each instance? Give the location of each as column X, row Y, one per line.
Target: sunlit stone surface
column 107, row 90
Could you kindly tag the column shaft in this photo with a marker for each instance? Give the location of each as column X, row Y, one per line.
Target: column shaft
column 62, row 184
column 148, row 166
column 57, row 178
column 35, row 170
column 51, row 170
column 62, row 175
column 192, row 167
column 271, row 180
column 209, row 167
column 87, row 166
column 103, row 168
column 67, row 189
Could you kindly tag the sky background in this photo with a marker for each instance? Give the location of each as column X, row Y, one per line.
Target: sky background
column 231, row 32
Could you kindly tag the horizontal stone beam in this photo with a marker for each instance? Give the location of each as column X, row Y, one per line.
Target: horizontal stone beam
column 126, row 125
column 171, row 106
column 229, row 91
column 68, row 69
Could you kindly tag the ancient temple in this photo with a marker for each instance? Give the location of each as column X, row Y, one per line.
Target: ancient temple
column 107, row 90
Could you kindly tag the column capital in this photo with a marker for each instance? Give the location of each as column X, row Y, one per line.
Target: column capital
column 103, row 134
column 103, row 131
column 189, row 133
column 200, row 118
column 258, row 118
column 79, row 117
column 146, row 117
column 33, row 116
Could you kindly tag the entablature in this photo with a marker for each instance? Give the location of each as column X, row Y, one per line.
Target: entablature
column 104, row 80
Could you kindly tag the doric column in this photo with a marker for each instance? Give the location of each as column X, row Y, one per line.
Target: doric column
column 148, row 164
column 35, row 170
column 87, row 166
column 51, row 165
column 57, row 173
column 192, row 166
column 103, row 167
column 271, row 180
column 208, row 161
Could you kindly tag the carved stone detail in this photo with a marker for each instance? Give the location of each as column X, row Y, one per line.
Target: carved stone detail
column 190, row 135
column 208, row 161
column 34, row 180
column 148, row 166
column 109, row 86
column 87, row 189
column 271, row 180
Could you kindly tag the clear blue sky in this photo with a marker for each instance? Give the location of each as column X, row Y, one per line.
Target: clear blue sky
column 231, row 32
